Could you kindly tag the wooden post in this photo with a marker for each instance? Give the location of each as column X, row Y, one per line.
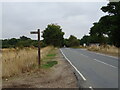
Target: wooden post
column 39, row 56
column 39, row 47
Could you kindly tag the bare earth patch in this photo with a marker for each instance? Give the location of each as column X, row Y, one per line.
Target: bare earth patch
column 58, row 76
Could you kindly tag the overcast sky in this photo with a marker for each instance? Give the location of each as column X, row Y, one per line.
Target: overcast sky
column 74, row 18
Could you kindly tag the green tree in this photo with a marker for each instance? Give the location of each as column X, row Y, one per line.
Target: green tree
column 113, row 9
column 107, row 29
column 73, row 41
column 22, row 42
column 53, row 35
column 85, row 39
column 24, row 38
column 66, row 42
column 98, row 33
column 5, row 44
column 12, row 42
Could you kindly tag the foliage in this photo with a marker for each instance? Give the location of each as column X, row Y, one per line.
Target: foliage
column 23, row 38
column 49, row 64
column 23, row 41
column 113, row 9
column 66, row 42
column 51, row 55
column 53, row 35
column 72, row 41
column 85, row 39
column 106, row 30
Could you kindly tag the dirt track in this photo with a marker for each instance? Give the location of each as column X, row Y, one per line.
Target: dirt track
column 59, row 76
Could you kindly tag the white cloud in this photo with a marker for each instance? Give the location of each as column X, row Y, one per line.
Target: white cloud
column 0, row 20
column 75, row 25
column 53, row 0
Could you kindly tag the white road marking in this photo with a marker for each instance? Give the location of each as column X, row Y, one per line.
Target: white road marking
column 73, row 66
column 100, row 61
column 104, row 63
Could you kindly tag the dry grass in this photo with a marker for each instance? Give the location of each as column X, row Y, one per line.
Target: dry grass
column 15, row 61
column 107, row 49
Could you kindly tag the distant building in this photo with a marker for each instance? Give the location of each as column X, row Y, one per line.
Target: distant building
column 94, row 44
column 84, row 44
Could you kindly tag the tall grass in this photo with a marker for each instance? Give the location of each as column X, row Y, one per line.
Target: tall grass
column 107, row 49
column 15, row 61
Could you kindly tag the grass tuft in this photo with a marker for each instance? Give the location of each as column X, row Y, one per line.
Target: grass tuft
column 49, row 64
column 51, row 55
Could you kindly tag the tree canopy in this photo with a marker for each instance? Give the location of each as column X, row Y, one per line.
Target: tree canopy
column 53, row 35
column 23, row 41
column 72, row 41
column 106, row 30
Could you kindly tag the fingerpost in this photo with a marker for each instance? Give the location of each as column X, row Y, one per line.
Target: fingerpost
column 39, row 54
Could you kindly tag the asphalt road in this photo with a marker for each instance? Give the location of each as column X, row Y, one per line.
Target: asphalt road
column 99, row 71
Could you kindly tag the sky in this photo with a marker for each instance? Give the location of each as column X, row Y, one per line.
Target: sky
column 0, row 20
column 75, row 18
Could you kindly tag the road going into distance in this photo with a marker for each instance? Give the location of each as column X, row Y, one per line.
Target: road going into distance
column 98, row 70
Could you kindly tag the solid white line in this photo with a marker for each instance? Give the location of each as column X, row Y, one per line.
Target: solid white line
column 104, row 63
column 73, row 66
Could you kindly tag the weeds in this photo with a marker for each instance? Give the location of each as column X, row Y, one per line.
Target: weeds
column 49, row 64
column 48, row 60
column 51, row 55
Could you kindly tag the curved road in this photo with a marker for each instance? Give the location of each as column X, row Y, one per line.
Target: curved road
column 100, row 71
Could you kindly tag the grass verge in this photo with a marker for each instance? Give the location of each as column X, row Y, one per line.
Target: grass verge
column 49, row 64
column 49, row 60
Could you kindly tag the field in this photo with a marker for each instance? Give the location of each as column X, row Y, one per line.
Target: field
column 55, row 72
column 16, row 61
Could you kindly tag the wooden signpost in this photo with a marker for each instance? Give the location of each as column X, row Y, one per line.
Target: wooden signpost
column 39, row 56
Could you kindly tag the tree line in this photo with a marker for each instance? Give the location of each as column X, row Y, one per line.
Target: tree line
column 106, row 30
column 52, row 35
column 23, row 41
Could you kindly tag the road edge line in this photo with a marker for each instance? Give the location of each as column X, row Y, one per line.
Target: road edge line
column 73, row 66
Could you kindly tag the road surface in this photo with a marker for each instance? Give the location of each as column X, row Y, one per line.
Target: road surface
column 99, row 71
